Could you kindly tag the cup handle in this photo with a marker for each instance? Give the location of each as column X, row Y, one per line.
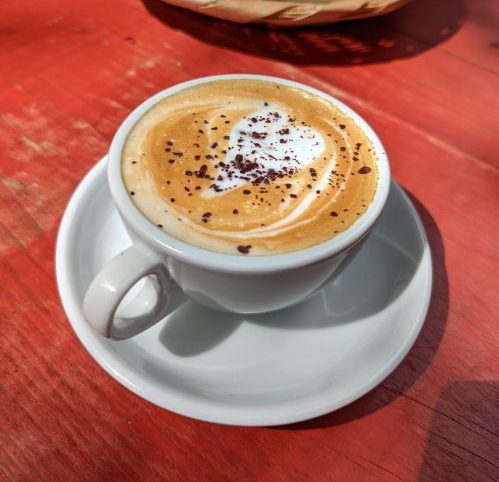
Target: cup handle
column 113, row 282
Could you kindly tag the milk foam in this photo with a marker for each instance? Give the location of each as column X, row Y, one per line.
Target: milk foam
column 267, row 140
column 248, row 167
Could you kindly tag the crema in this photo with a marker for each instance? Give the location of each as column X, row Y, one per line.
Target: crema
column 249, row 167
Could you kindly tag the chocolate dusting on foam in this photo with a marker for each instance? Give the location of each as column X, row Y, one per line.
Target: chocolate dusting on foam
column 252, row 165
column 265, row 156
column 206, row 217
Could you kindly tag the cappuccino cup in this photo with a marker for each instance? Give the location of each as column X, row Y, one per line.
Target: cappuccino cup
column 249, row 192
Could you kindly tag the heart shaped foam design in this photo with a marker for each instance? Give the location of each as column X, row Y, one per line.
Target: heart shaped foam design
column 264, row 146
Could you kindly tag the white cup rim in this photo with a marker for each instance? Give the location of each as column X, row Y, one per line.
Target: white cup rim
column 234, row 263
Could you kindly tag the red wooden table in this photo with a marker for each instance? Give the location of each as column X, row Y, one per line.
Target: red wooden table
column 426, row 78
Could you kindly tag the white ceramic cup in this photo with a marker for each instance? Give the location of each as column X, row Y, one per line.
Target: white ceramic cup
column 235, row 283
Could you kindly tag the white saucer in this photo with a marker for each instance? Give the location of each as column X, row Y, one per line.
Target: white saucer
column 269, row 369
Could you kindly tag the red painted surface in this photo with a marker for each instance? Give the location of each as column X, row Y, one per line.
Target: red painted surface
column 425, row 77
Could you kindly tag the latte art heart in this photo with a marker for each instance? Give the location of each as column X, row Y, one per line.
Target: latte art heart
column 264, row 146
column 249, row 167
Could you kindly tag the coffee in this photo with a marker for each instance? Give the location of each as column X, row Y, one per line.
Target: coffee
column 249, row 167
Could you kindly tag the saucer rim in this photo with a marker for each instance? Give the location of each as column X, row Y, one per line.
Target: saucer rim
column 193, row 407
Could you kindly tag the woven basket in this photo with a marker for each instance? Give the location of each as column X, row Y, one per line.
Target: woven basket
column 290, row 13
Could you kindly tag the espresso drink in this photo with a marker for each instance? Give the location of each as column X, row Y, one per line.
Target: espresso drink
column 249, row 167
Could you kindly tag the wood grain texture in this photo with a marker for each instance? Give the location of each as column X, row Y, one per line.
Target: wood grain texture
column 426, row 78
